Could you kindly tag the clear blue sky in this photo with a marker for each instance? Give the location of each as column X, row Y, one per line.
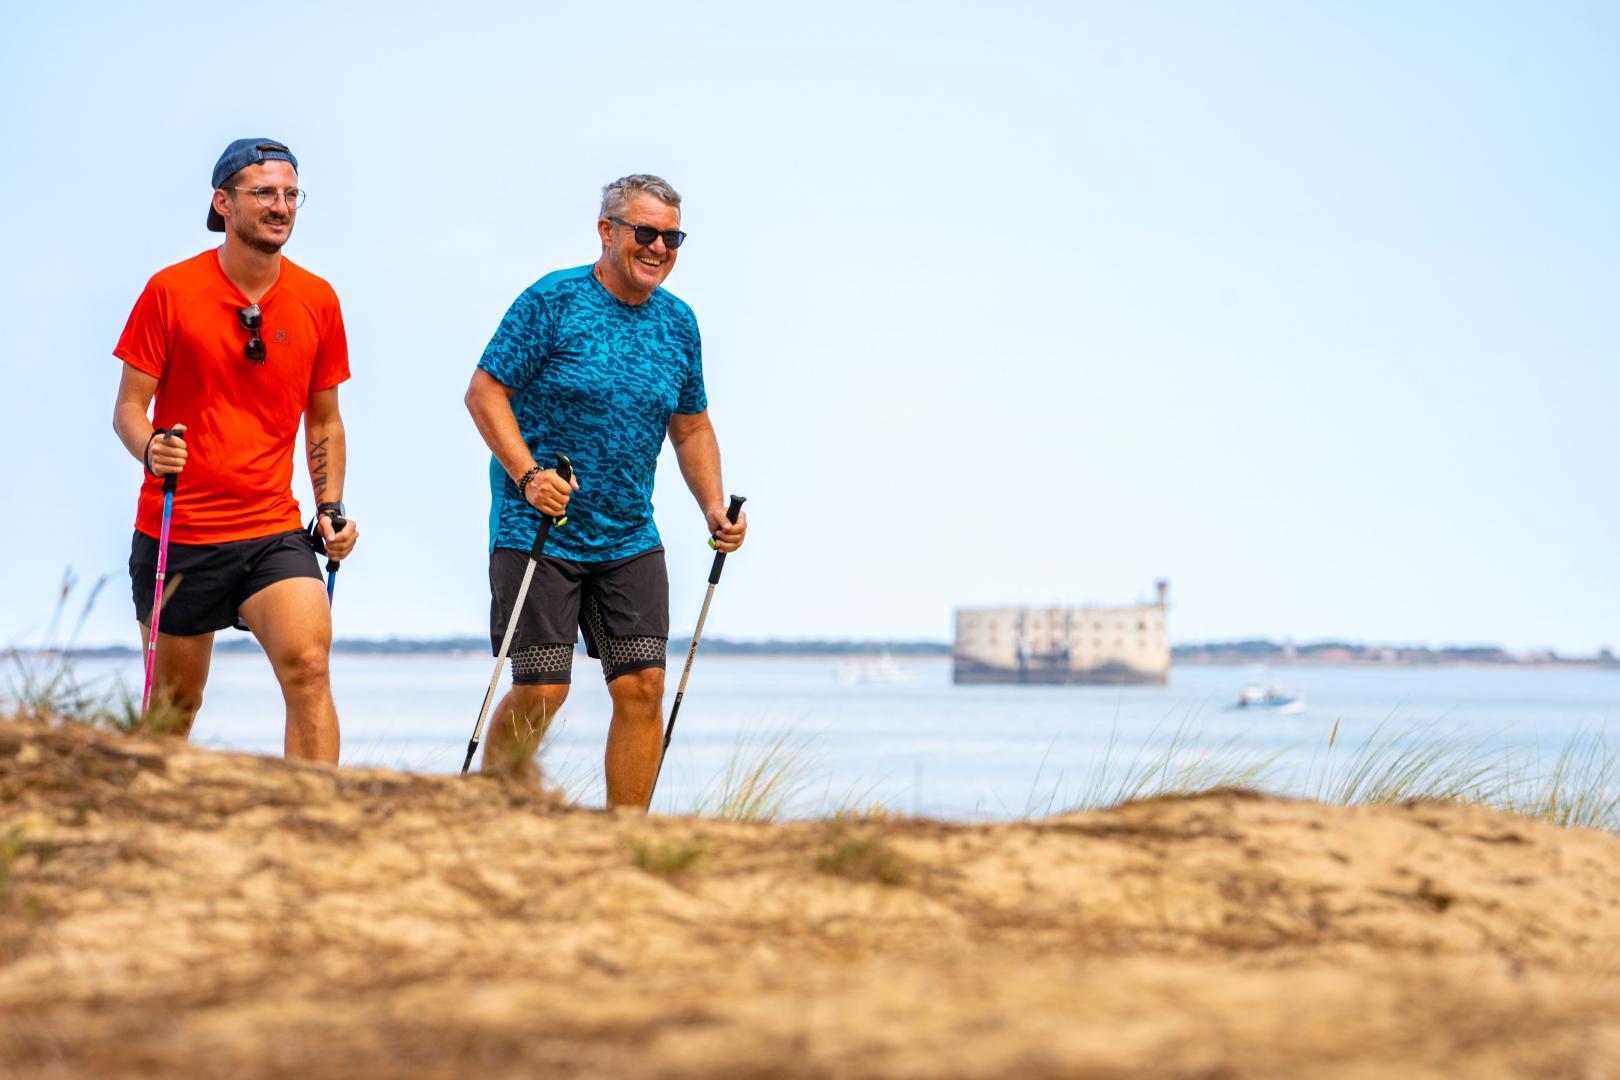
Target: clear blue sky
column 1309, row 308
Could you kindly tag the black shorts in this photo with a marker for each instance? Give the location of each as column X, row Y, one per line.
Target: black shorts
column 207, row 583
column 621, row 606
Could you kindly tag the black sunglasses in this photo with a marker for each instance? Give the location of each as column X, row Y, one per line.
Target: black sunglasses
column 251, row 319
column 646, row 234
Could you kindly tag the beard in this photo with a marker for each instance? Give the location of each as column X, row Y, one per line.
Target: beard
column 244, row 231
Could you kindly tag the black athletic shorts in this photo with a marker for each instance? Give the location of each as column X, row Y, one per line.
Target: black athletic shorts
column 207, row 583
column 621, row 606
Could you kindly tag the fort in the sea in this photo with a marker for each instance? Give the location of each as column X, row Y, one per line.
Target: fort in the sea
column 1085, row 644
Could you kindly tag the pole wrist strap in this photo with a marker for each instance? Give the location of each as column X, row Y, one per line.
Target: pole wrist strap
column 146, row 456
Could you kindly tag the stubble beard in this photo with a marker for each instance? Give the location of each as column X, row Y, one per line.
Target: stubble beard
column 244, row 232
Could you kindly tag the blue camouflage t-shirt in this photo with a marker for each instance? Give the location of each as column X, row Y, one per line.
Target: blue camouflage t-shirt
column 596, row 379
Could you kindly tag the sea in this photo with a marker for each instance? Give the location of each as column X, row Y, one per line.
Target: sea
column 924, row 746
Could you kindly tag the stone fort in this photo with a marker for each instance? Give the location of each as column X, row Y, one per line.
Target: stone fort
column 1085, row 644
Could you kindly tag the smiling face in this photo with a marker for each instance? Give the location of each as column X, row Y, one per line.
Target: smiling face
column 629, row 270
column 263, row 228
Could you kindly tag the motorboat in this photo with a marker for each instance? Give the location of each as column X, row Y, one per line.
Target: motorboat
column 882, row 670
column 1271, row 699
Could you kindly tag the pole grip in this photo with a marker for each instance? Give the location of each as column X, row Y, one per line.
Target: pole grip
column 565, row 470
column 172, row 481
column 338, row 525
column 720, row 557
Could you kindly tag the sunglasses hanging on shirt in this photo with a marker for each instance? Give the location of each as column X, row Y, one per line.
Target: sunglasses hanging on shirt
column 251, row 320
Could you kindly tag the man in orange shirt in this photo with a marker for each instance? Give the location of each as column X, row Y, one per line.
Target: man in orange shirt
column 238, row 345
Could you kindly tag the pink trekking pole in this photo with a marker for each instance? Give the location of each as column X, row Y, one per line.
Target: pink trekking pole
column 170, row 482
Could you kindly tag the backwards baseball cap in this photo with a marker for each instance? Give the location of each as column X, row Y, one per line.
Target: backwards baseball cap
column 238, row 156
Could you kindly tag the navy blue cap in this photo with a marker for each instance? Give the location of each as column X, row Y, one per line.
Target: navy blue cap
column 238, row 156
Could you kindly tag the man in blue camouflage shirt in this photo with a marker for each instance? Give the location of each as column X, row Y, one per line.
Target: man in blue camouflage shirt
column 599, row 363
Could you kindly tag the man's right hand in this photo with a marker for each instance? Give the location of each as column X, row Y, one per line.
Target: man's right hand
column 548, row 492
column 168, row 453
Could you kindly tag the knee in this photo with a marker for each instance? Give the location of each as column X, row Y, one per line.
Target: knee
column 533, row 707
column 179, row 701
column 639, row 689
column 306, row 670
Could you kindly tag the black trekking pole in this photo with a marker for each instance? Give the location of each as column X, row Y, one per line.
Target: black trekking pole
column 338, row 525
column 565, row 470
column 675, row 710
column 332, row 565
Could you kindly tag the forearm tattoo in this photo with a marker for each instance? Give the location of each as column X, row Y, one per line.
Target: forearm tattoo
column 317, row 470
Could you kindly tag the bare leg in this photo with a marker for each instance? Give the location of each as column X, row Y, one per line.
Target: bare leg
column 636, row 737
column 178, row 677
column 519, row 724
column 292, row 621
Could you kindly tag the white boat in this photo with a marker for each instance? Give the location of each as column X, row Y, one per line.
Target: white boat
column 881, row 670
column 1270, row 699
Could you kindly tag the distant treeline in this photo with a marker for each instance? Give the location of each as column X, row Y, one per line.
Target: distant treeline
column 721, row 646
column 1213, row 652
column 1339, row 652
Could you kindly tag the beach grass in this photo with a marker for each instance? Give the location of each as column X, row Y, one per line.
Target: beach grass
column 663, row 859
column 763, row 780
column 44, row 683
column 860, row 852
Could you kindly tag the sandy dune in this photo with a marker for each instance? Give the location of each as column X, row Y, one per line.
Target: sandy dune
column 169, row 911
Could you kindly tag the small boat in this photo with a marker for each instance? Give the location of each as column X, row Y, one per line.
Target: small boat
column 1270, row 699
column 881, row 670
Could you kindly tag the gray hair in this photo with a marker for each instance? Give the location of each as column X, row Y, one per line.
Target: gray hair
column 617, row 194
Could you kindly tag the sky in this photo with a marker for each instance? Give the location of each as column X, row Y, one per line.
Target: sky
column 1309, row 308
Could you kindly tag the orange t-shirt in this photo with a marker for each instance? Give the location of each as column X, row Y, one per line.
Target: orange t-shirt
column 241, row 418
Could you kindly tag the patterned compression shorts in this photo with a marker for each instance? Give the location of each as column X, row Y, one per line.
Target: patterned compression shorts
column 620, row 606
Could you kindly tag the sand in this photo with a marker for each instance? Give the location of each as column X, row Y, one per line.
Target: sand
column 168, row 911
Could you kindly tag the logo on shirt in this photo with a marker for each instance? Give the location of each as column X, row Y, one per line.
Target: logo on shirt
column 281, row 336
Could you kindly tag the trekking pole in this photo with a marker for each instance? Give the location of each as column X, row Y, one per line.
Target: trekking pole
column 170, row 482
column 675, row 710
column 332, row 565
column 565, row 471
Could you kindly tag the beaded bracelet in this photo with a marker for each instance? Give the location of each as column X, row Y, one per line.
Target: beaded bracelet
column 523, row 484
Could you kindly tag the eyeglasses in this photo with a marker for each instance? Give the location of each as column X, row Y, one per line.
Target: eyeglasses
column 267, row 196
column 251, row 319
column 646, row 234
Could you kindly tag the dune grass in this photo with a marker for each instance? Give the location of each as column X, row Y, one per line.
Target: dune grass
column 763, row 780
column 1180, row 766
column 44, row 683
column 663, row 859
column 1580, row 789
column 860, row 852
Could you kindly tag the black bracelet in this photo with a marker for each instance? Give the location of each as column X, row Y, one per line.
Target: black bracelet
column 335, row 509
column 523, row 484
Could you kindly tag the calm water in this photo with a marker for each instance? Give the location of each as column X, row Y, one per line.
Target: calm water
column 925, row 746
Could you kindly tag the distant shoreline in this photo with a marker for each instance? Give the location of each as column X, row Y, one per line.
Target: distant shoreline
column 1233, row 654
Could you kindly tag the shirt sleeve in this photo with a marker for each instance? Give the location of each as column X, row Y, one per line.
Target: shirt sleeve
column 693, row 399
column 332, row 362
column 522, row 343
column 144, row 344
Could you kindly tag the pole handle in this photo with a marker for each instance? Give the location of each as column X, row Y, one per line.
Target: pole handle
column 720, row 557
column 172, row 481
column 338, row 525
column 565, row 470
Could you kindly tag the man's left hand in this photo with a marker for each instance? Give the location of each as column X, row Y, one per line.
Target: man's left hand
column 726, row 536
column 338, row 544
